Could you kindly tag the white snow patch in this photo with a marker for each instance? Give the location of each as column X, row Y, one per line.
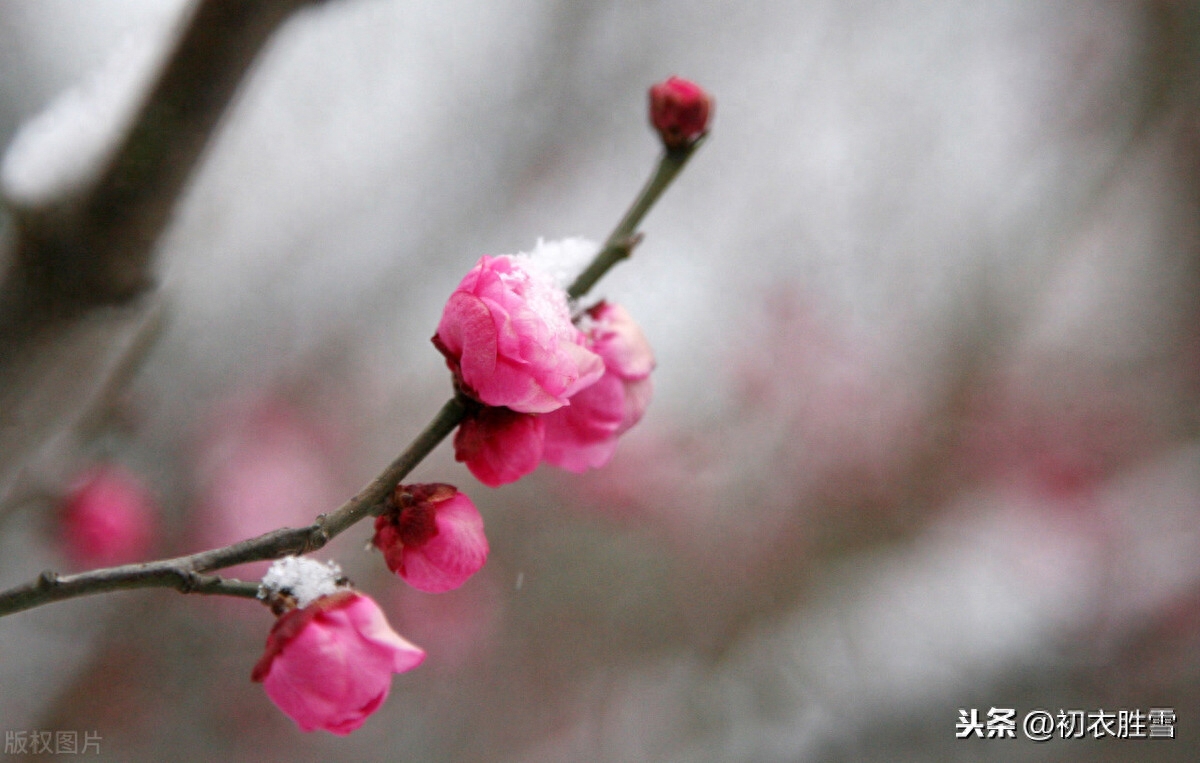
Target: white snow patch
column 561, row 260
column 304, row 578
column 543, row 275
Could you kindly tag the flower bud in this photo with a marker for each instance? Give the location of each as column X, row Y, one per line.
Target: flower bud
column 498, row 445
column 329, row 665
column 432, row 536
column 679, row 111
column 507, row 336
column 584, row 434
column 108, row 518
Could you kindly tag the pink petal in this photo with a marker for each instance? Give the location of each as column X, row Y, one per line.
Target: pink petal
column 330, row 665
column 620, row 342
column 366, row 616
column 467, row 330
column 108, row 518
column 637, row 399
column 500, row 446
column 457, row 552
column 584, row 434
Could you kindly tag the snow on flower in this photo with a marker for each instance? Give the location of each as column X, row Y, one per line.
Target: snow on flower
column 584, row 434
column 432, row 536
column 305, row 579
column 507, row 335
column 329, row 665
column 107, row 518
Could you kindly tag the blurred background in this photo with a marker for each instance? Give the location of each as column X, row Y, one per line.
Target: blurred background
column 925, row 428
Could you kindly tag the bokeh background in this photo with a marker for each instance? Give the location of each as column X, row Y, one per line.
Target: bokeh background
column 926, row 312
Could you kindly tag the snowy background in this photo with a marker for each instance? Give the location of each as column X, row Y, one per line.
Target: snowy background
column 925, row 428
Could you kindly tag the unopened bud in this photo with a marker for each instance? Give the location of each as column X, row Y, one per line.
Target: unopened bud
column 679, row 110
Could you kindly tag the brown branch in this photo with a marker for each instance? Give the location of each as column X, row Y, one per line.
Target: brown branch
column 49, row 586
column 93, row 247
column 184, row 573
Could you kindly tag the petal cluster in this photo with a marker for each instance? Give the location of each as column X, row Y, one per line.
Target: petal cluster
column 329, row 665
column 108, row 518
column 500, row 445
column 584, row 435
column 507, row 335
column 432, row 536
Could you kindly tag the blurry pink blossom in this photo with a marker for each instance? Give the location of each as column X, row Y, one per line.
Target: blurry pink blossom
column 584, row 434
column 679, row 111
column 1059, row 449
column 507, row 335
column 108, row 518
column 499, row 445
column 432, row 536
column 456, row 627
column 329, row 665
column 261, row 466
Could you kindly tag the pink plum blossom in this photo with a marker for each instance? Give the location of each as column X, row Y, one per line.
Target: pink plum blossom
column 679, row 111
column 432, row 536
column 329, row 665
column 584, row 434
column 507, row 336
column 108, row 518
column 458, row 627
column 499, row 445
column 262, row 464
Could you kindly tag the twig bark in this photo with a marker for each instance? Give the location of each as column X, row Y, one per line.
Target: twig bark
column 622, row 240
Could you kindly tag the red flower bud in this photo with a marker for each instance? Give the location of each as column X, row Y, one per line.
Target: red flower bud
column 329, row 665
column 432, row 536
column 679, row 110
column 108, row 518
column 499, row 445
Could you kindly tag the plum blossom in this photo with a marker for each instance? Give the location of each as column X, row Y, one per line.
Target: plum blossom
column 328, row 663
column 432, row 536
column 108, row 518
column 499, row 445
column 679, row 111
column 584, row 434
column 540, row 385
column 507, row 335
column 262, row 463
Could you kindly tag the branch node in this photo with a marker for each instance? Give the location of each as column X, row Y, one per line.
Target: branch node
column 47, row 580
column 627, row 246
column 188, row 580
column 318, row 536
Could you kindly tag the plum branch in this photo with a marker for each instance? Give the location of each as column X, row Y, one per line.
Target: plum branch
column 190, row 574
column 88, row 253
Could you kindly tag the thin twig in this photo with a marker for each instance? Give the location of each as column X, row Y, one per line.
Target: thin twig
column 623, row 239
column 50, row 587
